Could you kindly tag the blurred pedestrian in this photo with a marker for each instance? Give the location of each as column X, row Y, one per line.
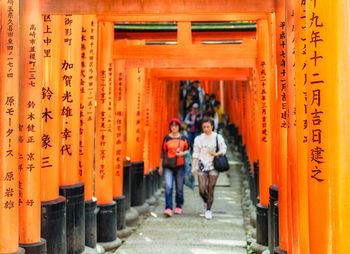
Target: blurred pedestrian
column 204, row 151
column 175, row 146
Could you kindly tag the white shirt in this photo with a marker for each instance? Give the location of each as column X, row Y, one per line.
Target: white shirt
column 203, row 145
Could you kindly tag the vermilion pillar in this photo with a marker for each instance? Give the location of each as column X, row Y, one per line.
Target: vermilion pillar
column 281, row 121
column 106, row 218
column 31, row 28
column 69, row 131
column 301, row 123
column 121, row 199
column 147, row 105
column 119, row 123
column 9, row 127
column 293, row 199
column 87, row 102
column 327, row 85
column 53, row 228
column 136, row 78
column 264, row 93
column 87, row 123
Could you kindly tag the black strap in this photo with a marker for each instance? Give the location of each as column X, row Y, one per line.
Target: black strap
column 217, row 143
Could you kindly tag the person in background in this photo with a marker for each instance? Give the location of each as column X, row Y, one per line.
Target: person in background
column 193, row 122
column 220, row 112
column 206, row 101
column 195, row 95
column 174, row 145
column 183, row 93
column 204, row 151
column 210, row 113
column 213, row 99
column 200, row 90
column 187, row 105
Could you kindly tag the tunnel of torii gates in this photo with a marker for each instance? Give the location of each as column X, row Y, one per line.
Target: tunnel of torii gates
column 285, row 87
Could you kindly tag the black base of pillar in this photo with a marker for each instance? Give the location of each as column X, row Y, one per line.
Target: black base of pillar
column 91, row 211
column 35, row 248
column 75, row 217
column 261, row 225
column 53, row 225
column 148, row 186
column 277, row 250
column 121, row 212
column 106, row 223
column 275, row 224
column 273, row 190
column 256, row 178
column 127, row 185
column 252, row 184
column 138, row 196
column 153, row 181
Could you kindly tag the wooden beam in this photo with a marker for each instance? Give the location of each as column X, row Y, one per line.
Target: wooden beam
column 192, row 63
column 155, row 17
column 201, row 73
column 248, row 49
column 141, row 7
column 197, row 37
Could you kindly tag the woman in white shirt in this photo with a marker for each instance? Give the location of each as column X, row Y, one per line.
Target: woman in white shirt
column 204, row 151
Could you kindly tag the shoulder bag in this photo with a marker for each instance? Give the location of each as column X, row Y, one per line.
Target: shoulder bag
column 220, row 162
column 170, row 162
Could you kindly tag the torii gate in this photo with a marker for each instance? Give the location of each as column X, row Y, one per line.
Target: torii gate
column 301, row 161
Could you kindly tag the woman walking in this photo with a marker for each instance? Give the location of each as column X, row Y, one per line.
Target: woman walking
column 174, row 146
column 204, row 151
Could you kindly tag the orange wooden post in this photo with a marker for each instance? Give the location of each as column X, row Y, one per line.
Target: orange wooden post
column 70, row 187
column 281, row 57
column 327, row 44
column 119, row 123
column 106, row 218
column 302, row 124
column 292, row 182
column 9, row 89
column 155, row 134
column 135, row 80
column 221, row 98
column 87, row 103
column 119, row 197
column 53, row 229
column 264, row 93
column 135, row 133
column 29, row 127
column 87, row 123
column 146, row 98
column 339, row 95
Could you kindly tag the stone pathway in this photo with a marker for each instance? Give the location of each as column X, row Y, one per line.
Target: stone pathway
column 190, row 232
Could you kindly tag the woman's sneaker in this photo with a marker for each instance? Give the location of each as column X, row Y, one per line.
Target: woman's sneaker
column 168, row 212
column 208, row 215
column 178, row 210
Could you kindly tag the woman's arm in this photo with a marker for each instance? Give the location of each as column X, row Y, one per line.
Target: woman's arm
column 160, row 171
column 193, row 170
column 222, row 147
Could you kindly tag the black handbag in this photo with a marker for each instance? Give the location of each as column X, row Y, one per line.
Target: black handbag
column 220, row 162
column 170, row 162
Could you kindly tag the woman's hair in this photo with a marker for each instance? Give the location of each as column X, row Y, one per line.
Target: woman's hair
column 208, row 120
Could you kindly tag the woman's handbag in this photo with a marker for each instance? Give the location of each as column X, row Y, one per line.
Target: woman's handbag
column 220, row 162
column 170, row 162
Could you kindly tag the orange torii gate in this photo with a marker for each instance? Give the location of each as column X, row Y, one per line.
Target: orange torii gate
column 318, row 138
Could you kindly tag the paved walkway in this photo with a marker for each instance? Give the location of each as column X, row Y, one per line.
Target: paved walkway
column 190, row 232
